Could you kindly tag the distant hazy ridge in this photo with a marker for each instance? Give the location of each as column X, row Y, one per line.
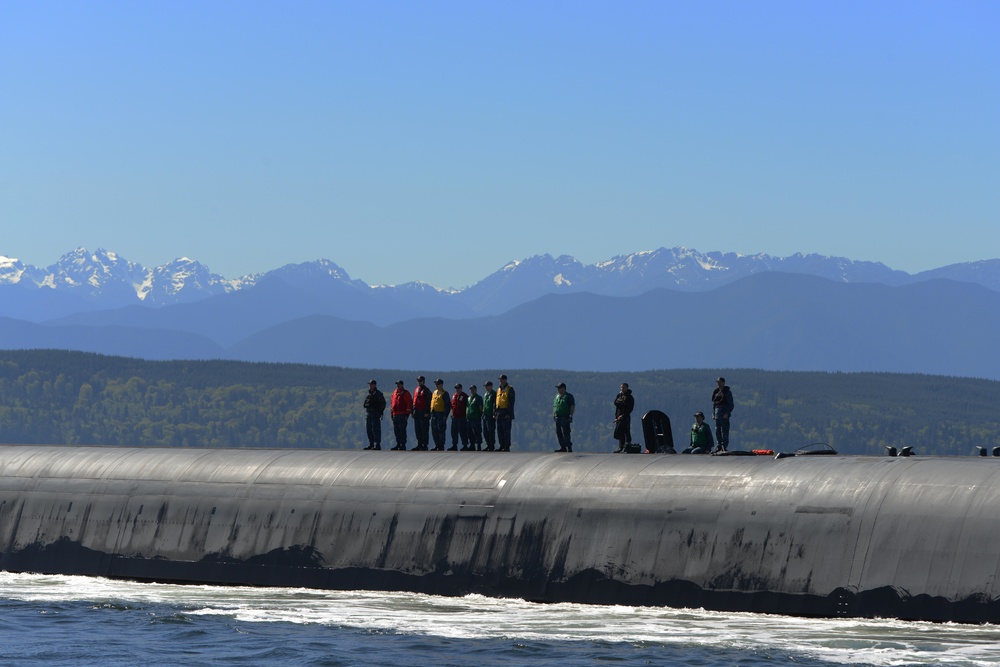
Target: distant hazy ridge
column 670, row 308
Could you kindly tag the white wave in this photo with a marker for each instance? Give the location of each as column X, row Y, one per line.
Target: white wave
column 846, row 641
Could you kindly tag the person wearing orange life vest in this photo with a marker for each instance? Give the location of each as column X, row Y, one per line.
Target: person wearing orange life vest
column 459, row 421
column 400, row 407
column 504, row 414
column 440, row 406
column 421, row 414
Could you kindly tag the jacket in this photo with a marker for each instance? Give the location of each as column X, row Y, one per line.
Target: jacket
column 440, row 401
column 505, row 400
column 722, row 403
column 475, row 409
column 624, row 403
column 374, row 403
column 422, row 398
column 402, row 403
column 459, row 403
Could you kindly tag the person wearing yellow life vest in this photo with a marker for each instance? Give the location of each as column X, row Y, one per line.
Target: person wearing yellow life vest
column 440, row 407
column 504, row 413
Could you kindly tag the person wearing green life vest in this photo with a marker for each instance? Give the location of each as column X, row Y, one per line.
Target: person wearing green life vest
column 489, row 422
column 701, row 436
column 474, row 417
column 563, row 407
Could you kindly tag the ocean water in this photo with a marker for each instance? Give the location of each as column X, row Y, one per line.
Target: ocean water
column 62, row 620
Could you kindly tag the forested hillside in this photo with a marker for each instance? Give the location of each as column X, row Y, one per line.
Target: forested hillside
column 58, row 397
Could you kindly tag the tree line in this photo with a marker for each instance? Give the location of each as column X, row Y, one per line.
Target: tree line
column 78, row 398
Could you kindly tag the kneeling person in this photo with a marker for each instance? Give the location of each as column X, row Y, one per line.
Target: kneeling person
column 701, row 436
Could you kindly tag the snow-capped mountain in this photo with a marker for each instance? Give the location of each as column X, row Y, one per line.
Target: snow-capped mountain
column 82, row 282
column 106, row 276
column 803, row 312
column 672, row 268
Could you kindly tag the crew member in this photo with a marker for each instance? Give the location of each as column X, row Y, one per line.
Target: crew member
column 563, row 407
column 440, row 406
column 421, row 414
column 504, row 413
column 722, row 408
column 701, row 436
column 474, row 419
column 459, row 429
column 400, row 407
column 374, row 409
column 624, row 404
column 489, row 416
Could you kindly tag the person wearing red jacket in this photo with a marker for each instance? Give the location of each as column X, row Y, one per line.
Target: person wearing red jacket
column 400, row 407
column 459, row 421
column 421, row 415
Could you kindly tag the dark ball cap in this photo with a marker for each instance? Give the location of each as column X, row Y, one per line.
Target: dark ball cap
column 399, row 383
column 458, row 386
column 439, row 381
column 722, row 380
column 561, row 385
column 420, row 378
column 699, row 414
column 503, row 377
column 488, row 383
column 372, row 382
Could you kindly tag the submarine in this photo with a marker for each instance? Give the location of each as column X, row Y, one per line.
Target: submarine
column 827, row 536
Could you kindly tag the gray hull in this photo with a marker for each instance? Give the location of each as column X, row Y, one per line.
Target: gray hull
column 912, row 538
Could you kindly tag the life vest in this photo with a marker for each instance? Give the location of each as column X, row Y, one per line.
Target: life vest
column 561, row 405
column 503, row 398
column 439, row 401
column 421, row 398
column 475, row 409
column 459, row 402
column 402, row 402
column 489, row 403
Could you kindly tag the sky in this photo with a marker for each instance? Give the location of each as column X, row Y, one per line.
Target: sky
column 437, row 141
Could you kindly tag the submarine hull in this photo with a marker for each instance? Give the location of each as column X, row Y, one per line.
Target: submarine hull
column 911, row 538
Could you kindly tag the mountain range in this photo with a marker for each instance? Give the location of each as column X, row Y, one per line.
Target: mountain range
column 665, row 308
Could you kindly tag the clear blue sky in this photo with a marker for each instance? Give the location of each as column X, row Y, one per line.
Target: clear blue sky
column 438, row 140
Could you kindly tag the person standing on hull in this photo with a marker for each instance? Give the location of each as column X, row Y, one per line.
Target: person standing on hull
column 624, row 404
column 474, row 419
column 400, row 407
column 374, row 409
column 459, row 427
column 440, row 406
column 563, row 407
column 722, row 409
column 701, row 436
column 421, row 414
column 504, row 413
column 489, row 416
